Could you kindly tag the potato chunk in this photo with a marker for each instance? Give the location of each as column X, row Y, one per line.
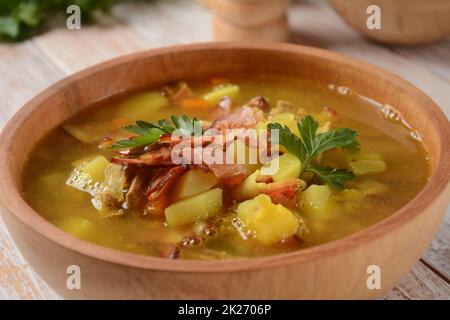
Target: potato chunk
column 289, row 167
column 189, row 210
column 285, row 119
column 142, row 106
column 366, row 163
column 225, row 90
column 193, row 182
column 81, row 133
column 95, row 168
column 88, row 176
column 249, row 188
column 317, row 203
column 269, row 222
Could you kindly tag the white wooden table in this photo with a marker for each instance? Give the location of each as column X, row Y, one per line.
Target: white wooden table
column 29, row 67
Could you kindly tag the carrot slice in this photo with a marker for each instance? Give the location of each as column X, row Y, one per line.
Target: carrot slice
column 118, row 123
column 193, row 103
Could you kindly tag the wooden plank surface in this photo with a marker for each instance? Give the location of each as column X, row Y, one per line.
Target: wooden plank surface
column 29, row 67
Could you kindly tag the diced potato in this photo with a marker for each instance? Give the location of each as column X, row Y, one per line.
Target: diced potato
column 142, row 106
column 193, row 182
column 372, row 187
column 269, row 222
column 317, row 203
column 368, row 166
column 366, row 163
column 286, row 119
column 81, row 162
column 240, row 153
column 230, row 91
column 84, row 134
column 352, row 200
column 289, row 167
column 350, row 195
column 95, row 168
column 189, row 210
column 89, row 177
column 249, row 188
column 115, row 180
column 76, row 226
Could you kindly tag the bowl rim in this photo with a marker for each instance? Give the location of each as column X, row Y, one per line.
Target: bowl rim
column 12, row 200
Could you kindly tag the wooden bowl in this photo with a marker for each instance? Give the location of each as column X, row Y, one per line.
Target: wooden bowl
column 405, row 22
column 334, row 270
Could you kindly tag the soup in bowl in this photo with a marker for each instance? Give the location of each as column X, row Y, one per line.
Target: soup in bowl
column 183, row 170
column 238, row 170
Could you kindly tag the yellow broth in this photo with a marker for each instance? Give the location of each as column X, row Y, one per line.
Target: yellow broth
column 407, row 171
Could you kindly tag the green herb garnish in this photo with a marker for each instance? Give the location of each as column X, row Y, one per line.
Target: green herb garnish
column 311, row 144
column 149, row 133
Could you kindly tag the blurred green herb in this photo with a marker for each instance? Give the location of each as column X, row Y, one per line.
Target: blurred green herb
column 21, row 19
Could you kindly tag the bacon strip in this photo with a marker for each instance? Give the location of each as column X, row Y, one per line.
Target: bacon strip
column 259, row 102
column 137, row 187
column 284, row 192
column 245, row 117
column 157, row 194
column 158, row 157
column 230, row 175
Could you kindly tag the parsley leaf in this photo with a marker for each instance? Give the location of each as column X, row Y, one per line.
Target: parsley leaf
column 290, row 141
column 332, row 176
column 144, row 138
column 187, row 126
column 316, row 144
column 149, row 133
column 310, row 144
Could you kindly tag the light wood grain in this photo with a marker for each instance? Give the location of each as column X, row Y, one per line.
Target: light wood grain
column 24, row 72
column 28, row 68
column 432, row 286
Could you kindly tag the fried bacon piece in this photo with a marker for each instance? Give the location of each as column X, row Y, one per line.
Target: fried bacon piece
column 138, row 185
column 259, row 102
column 245, row 117
column 157, row 157
column 230, row 175
column 180, row 92
column 284, row 192
column 112, row 137
column 158, row 193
